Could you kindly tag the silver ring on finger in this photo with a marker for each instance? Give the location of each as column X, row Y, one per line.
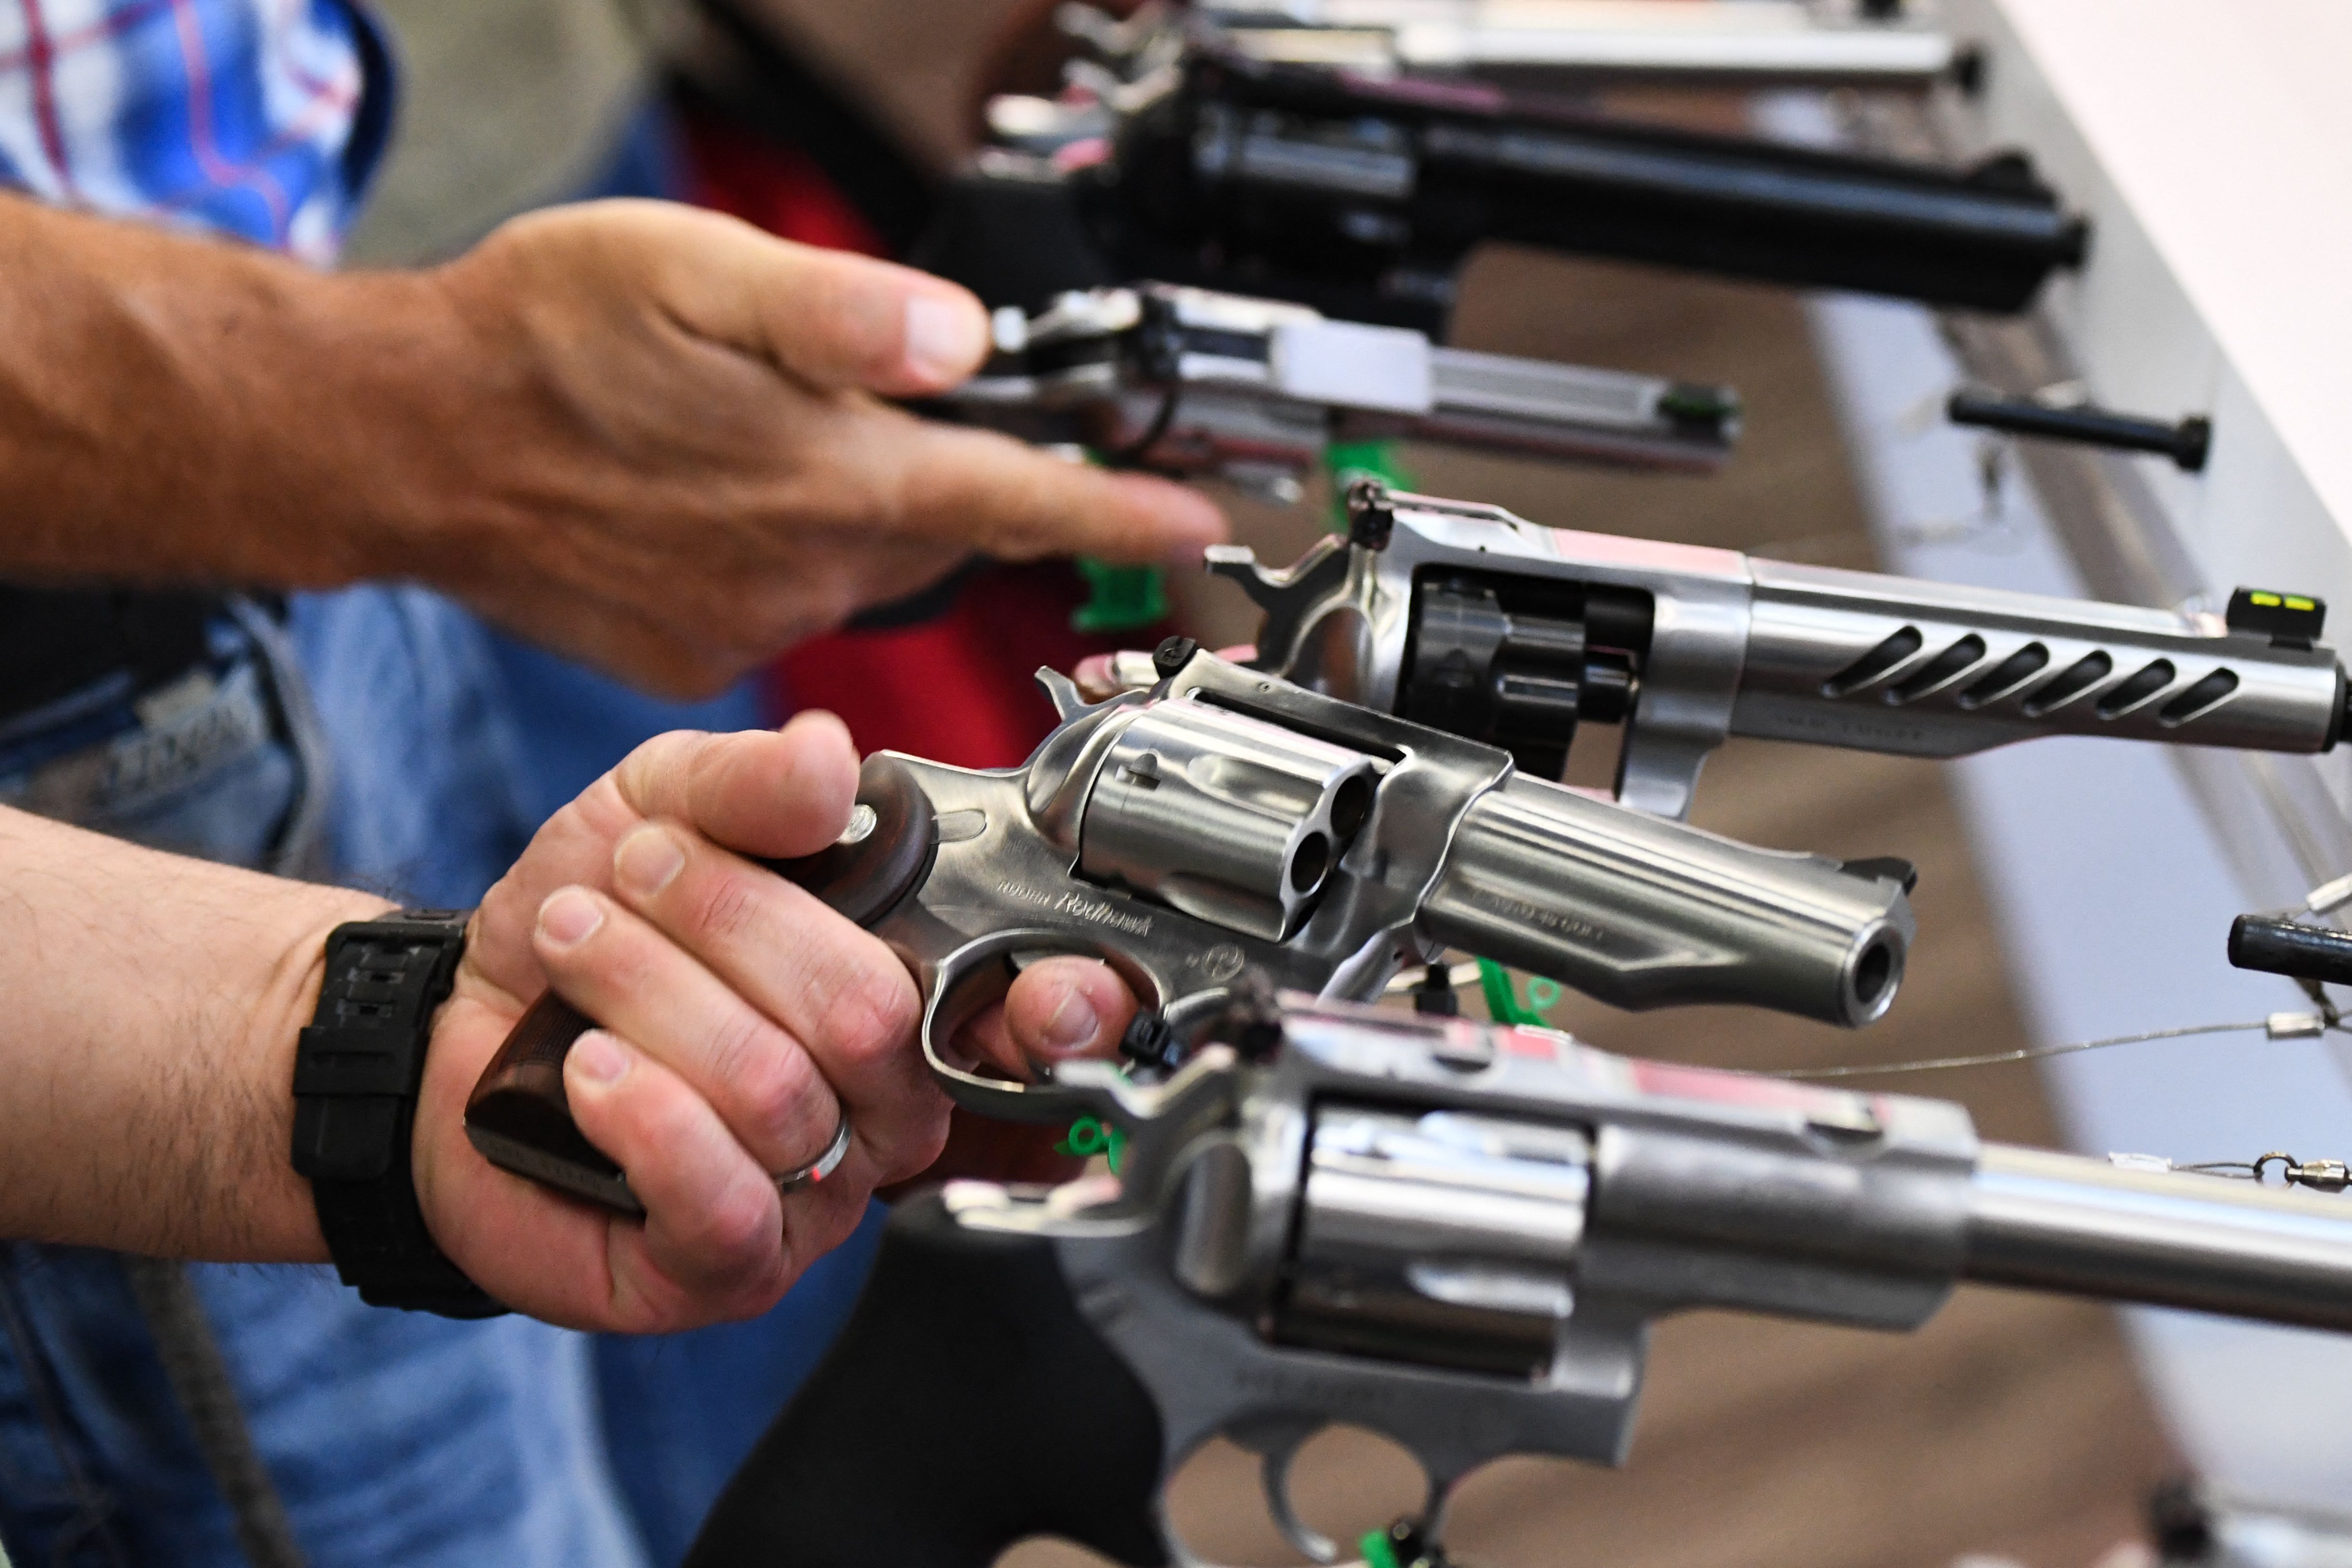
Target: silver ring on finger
column 823, row 1166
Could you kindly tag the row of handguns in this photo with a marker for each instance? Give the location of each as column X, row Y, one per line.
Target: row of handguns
column 1230, row 250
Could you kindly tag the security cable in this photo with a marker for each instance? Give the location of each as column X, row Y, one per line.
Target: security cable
column 2278, row 1026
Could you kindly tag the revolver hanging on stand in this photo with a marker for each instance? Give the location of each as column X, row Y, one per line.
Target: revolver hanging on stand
column 1468, row 619
column 1363, row 197
column 1186, row 382
column 1453, row 1234
column 1227, row 822
column 1572, row 44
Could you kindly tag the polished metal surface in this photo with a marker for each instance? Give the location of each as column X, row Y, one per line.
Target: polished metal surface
column 1341, row 618
column 1981, row 667
column 1229, row 819
column 1752, row 42
column 2088, row 1228
column 1228, row 822
column 1407, row 1224
column 1561, row 884
column 1752, row 647
column 1190, row 380
column 1458, row 1234
column 1444, row 1238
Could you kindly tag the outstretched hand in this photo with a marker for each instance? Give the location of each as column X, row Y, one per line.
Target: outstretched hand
column 672, row 456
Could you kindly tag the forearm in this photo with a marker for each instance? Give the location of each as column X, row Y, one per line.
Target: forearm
column 184, row 410
column 151, row 1008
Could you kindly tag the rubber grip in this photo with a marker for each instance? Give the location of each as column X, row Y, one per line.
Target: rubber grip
column 966, row 1405
column 518, row 1115
column 2292, row 948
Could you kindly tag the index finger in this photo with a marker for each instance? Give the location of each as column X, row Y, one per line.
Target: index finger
column 1019, row 504
column 1058, row 1011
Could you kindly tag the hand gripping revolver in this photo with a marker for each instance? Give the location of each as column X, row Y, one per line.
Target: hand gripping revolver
column 1226, row 821
column 1453, row 1234
column 1472, row 620
column 1187, row 381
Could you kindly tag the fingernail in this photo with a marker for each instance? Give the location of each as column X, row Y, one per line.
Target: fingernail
column 598, row 1058
column 569, row 917
column 1074, row 1022
column 945, row 339
column 647, row 859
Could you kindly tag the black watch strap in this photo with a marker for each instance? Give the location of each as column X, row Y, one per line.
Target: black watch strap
column 357, row 1072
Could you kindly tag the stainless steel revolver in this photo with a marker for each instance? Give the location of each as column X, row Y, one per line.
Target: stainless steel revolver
column 1450, row 1233
column 1226, row 821
column 1554, row 45
column 1469, row 619
column 1190, row 382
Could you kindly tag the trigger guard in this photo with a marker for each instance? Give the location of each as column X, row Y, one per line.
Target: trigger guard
column 1274, row 1479
column 978, row 974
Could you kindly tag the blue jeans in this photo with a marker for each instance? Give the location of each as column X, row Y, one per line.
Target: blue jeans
column 452, row 742
column 391, row 1436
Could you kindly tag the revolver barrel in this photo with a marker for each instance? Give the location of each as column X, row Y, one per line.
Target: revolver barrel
column 1321, row 176
column 1188, row 381
column 2082, row 1227
column 1641, row 912
column 1679, row 42
column 1468, row 619
column 1893, row 665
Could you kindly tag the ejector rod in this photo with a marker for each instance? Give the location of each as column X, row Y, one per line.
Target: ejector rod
column 2084, row 1227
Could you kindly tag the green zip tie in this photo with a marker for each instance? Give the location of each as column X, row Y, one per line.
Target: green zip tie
column 1089, row 1137
column 1379, row 1551
column 1120, row 598
column 1345, row 462
column 1502, row 1001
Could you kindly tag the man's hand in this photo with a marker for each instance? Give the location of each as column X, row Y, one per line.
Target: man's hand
column 742, row 1020
column 650, row 437
column 676, row 460
column 154, row 1003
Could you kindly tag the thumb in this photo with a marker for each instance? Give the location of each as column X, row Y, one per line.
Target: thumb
column 826, row 317
column 851, row 321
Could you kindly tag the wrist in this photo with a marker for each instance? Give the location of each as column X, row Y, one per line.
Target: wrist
column 382, row 372
column 285, row 1217
column 273, row 407
column 358, row 1089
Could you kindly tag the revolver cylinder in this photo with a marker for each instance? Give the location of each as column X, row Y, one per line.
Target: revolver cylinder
column 1228, row 818
column 1447, row 1239
column 1640, row 912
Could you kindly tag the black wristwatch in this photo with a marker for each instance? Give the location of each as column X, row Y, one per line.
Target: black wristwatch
column 357, row 1072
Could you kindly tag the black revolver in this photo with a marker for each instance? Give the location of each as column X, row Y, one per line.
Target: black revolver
column 1362, row 196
